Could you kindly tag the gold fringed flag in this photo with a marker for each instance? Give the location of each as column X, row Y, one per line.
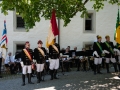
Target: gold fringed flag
column 53, row 30
column 117, row 30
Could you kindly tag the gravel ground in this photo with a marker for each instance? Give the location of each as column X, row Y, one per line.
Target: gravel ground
column 70, row 81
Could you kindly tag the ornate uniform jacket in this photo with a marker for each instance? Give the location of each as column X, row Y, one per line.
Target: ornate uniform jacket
column 53, row 54
column 97, row 48
column 109, row 49
column 38, row 56
column 24, row 57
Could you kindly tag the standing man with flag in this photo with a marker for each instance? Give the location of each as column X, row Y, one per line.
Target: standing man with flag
column 54, row 48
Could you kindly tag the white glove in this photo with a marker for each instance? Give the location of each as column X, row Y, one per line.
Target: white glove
column 95, row 53
column 34, row 60
column 22, row 64
column 49, row 59
column 105, row 51
column 118, row 51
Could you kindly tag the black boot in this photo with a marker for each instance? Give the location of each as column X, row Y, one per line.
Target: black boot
column 51, row 73
column 38, row 77
column 95, row 69
column 107, row 67
column 29, row 79
column 98, row 69
column 23, row 79
column 41, row 77
column 115, row 67
column 55, row 73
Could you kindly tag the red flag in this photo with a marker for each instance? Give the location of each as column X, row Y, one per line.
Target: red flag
column 53, row 30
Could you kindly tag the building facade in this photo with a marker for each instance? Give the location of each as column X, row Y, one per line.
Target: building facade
column 80, row 32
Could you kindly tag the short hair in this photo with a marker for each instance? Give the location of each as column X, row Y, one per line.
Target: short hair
column 98, row 36
column 26, row 42
column 9, row 53
column 40, row 42
column 107, row 36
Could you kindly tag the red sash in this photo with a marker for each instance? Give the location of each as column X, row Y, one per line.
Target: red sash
column 27, row 54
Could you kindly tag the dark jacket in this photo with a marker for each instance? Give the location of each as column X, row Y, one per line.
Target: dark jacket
column 111, row 47
column 24, row 57
column 53, row 54
column 97, row 49
column 38, row 56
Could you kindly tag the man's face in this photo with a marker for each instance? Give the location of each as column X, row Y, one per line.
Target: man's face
column 99, row 39
column 108, row 39
column 75, row 48
column 27, row 45
column 39, row 45
column 10, row 54
column 55, row 40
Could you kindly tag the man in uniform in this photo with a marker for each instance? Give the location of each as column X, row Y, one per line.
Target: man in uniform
column 110, row 55
column 98, row 54
column 26, row 60
column 54, row 53
column 39, row 56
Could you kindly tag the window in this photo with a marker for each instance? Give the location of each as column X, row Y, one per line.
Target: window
column 19, row 47
column 89, row 22
column 88, row 45
column 20, row 22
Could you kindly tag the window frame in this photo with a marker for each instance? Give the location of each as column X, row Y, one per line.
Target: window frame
column 87, row 43
column 15, row 43
column 93, row 18
column 16, row 22
column 15, row 29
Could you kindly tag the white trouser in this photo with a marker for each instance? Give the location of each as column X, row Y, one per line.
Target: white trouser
column 110, row 59
column 40, row 67
column 26, row 69
column 97, row 61
column 54, row 64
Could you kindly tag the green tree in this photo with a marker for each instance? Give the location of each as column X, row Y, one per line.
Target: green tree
column 32, row 10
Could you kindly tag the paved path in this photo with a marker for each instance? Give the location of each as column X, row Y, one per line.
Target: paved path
column 73, row 81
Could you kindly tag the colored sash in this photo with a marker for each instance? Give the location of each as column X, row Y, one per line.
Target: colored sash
column 108, row 45
column 99, row 46
column 56, row 49
column 28, row 54
column 41, row 51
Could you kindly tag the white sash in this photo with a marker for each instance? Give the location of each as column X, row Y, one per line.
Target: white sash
column 41, row 51
column 55, row 48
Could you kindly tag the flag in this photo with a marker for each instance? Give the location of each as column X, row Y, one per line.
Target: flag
column 4, row 39
column 117, row 30
column 53, row 30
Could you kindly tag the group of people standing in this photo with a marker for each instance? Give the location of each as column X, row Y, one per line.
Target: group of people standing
column 108, row 51
column 39, row 54
column 37, row 57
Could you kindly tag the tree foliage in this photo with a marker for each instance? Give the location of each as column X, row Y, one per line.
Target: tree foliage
column 32, row 10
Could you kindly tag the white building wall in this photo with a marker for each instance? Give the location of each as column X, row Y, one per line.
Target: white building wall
column 105, row 24
column 71, row 35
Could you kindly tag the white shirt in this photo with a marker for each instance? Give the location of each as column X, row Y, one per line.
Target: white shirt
column 9, row 59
